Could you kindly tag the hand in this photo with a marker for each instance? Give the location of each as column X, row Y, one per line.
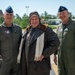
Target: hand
column 39, row 58
column 55, row 59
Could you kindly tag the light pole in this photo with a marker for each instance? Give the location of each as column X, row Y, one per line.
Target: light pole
column 27, row 9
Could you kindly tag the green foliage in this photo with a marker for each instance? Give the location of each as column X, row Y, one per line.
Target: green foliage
column 17, row 19
column 52, row 26
column 1, row 20
column 23, row 22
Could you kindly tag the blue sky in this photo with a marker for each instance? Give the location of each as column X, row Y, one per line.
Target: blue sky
column 51, row 6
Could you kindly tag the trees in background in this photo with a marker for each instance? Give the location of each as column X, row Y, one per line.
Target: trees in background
column 25, row 21
column 45, row 18
column 1, row 19
column 22, row 21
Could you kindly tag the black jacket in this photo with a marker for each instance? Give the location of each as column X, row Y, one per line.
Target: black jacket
column 51, row 43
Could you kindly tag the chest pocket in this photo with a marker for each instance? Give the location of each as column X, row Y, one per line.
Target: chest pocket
column 5, row 35
column 9, row 37
column 16, row 36
column 68, row 33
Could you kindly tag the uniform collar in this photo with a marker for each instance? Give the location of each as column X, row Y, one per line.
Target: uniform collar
column 4, row 25
column 69, row 21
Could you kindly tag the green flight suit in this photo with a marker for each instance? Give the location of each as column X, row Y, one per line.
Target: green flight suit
column 66, row 52
column 10, row 38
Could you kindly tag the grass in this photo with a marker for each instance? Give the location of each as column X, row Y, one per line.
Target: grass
column 52, row 26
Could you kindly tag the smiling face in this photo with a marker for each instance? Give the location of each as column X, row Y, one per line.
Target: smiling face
column 8, row 17
column 64, row 15
column 34, row 20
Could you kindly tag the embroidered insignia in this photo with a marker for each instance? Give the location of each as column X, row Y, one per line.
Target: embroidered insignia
column 66, row 29
column 7, row 32
column 62, row 8
column 60, row 30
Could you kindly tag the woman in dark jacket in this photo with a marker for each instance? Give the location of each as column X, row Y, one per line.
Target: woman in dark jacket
column 38, row 43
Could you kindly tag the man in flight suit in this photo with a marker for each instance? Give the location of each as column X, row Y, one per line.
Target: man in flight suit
column 10, row 37
column 66, row 34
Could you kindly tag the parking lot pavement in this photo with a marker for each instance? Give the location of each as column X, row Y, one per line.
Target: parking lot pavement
column 54, row 70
